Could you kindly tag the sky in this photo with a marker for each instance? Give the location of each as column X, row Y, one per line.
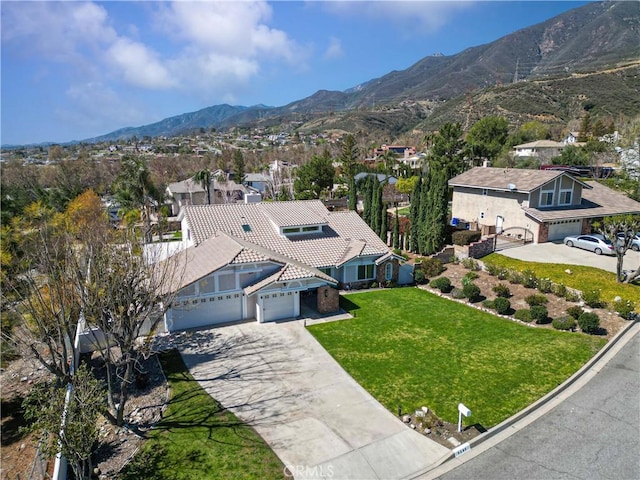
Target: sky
column 75, row 70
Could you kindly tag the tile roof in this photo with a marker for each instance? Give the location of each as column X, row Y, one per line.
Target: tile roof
column 192, row 186
column 344, row 236
column 216, row 252
column 541, row 144
column 598, row 201
column 500, row 178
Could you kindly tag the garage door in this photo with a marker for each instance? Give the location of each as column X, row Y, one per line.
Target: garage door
column 203, row 312
column 277, row 306
column 559, row 230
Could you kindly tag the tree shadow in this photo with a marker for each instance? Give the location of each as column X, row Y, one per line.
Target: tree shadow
column 12, row 420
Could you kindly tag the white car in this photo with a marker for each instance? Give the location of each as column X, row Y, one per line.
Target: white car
column 592, row 242
column 635, row 242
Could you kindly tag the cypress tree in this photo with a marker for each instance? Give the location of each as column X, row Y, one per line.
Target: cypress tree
column 353, row 194
column 423, row 216
column 375, row 206
column 414, row 217
column 396, row 231
column 383, row 223
column 366, row 186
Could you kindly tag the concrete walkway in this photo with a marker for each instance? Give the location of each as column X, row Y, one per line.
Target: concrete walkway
column 317, row 419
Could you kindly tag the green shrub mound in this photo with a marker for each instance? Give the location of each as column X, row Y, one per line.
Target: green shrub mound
column 625, row 309
column 536, row 299
column 501, row 290
column 589, row 322
column 515, row 277
column 559, row 290
column 471, row 291
column 545, row 285
column 419, row 277
column 457, row 293
column 592, row 298
column 465, row 237
column 523, row 315
column 529, row 279
column 441, row 283
column 575, row 311
column 502, row 305
column 488, row 304
column 540, row 314
column 470, row 264
column 564, row 323
column 432, row 267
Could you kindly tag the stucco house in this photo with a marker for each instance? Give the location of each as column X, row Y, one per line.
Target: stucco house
column 246, row 261
column 191, row 192
column 539, row 148
column 536, row 205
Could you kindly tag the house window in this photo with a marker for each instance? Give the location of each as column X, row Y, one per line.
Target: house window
column 365, row 272
column 310, row 229
column 546, row 198
column 565, row 197
column 388, row 272
column 291, row 230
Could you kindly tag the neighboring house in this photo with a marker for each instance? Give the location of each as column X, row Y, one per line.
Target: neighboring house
column 539, row 205
column 404, row 150
column 258, row 181
column 191, row 192
column 382, row 178
column 247, row 261
column 539, row 148
column 571, row 138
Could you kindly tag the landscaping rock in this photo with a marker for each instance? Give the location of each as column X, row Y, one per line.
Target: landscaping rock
column 419, row 413
column 406, row 418
column 425, row 410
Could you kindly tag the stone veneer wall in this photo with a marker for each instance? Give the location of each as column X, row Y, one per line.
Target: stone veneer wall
column 476, row 249
column 328, row 300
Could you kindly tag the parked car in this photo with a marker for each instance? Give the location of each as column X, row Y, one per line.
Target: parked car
column 594, row 243
column 635, row 243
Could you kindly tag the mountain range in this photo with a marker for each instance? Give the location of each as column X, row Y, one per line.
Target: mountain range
column 551, row 71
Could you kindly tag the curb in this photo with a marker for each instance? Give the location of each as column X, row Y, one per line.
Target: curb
column 531, row 409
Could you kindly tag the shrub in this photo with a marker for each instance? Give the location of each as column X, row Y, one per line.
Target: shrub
column 625, row 309
column 502, row 305
column 592, row 298
column 488, row 304
column 545, row 285
column 374, row 285
column 442, row 283
column 492, row 269
column 564, row 323
column 470, row 264
column 559, row 289
column 515, row 277
column 589, row 322
column 572, row 296
column 536, row 299
column 432, row 267
column 503, row 274
column 419, row 277
column 539, row 313
column 471, row 291
column 471, row 275
column 457, row 293
column 523, row 315
column 501, row 290
column 465, row 237
column 575, row 311
column 529, row 279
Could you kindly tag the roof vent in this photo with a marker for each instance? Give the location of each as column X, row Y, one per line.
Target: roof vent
column 512, row 186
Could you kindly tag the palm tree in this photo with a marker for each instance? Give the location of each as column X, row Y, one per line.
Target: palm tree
column 204, row 177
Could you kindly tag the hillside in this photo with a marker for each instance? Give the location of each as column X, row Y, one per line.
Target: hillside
column 561, row 60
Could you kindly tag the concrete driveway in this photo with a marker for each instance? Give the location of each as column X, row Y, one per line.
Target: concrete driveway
column 552, row 252
column 317, row 419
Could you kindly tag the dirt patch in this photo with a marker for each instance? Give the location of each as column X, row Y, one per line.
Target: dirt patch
column 446, row 434
column 117, row 444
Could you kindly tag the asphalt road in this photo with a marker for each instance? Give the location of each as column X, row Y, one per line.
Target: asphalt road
column 593, row 434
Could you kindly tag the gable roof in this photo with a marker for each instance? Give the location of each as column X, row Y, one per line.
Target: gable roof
column 221, row 250
column 493, row 178
column 344, row 235
column 597, row 201
column 190, row 185
column 540, row 144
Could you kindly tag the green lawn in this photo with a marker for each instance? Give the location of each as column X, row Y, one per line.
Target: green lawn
column 581, row 278
column 198, row 438
column 407, row 346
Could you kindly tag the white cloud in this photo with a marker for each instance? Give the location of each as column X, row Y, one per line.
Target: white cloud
column 334, row 50
column 139, row 65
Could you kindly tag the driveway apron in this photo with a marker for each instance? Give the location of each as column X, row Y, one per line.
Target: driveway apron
column 318, row 420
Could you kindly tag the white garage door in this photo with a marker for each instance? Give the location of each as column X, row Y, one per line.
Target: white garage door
column 203, row 312
column 559, row 230
column 277, row 306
